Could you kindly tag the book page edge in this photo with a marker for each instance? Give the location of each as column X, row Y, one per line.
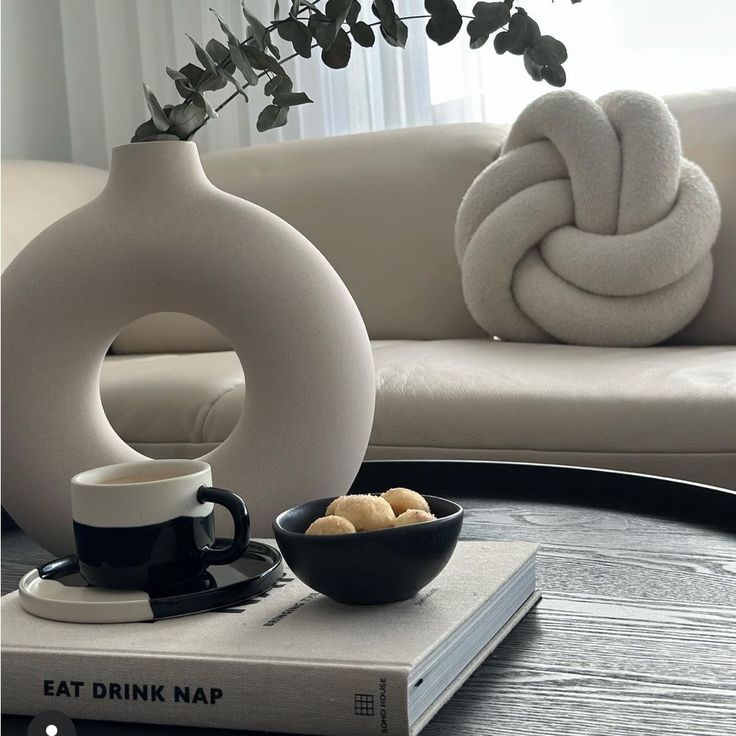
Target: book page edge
column 473, row 665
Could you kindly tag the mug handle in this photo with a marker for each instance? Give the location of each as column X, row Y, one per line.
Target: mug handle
column 241, row 522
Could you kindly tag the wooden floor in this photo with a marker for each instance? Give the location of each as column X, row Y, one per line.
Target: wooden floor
column 636, row 633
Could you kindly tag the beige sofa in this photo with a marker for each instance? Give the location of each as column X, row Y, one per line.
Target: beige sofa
column 381, row 208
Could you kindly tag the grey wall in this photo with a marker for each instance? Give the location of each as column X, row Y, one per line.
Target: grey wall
column 35, row 115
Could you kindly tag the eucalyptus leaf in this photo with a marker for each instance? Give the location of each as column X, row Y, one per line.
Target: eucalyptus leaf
column 272, row 85
column 291, row 99
column 204, row 58
column 445, row 21
column 190, row 72
column 487, row 19
column 193, row 73
column 257, row 29
column 259, row 32
column 385, row 12
column 400, row 36
column 298, row 35
column 285, row 84
column 554, row 75
column 322, row 29
column 261, row 60
column 211, row 83
column 199, row 80
column 241, row 61
column 185, row 119
column 231, row 37
column 523, row 32
column 337, row 55
column 393, row 29
column 302, row 40
column 515, row 34
column 548, row 51
column 230, row 78
column 144, row 130
column 362, row 34
column 220, row 54
column 533, row 69
column 175, row 74
column 149, row 132
column 493, row 15
column 200, row 100
column 477, row 33
column 353, row 13
column 157, row 114
column 285, row 29
column 337, row 10
column 271, row 117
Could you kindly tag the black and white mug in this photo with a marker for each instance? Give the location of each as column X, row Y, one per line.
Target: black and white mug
column 149, row 525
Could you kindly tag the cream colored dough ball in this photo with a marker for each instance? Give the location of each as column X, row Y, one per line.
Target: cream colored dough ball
column 413, row 516
column 331, row 525
column 402, row 499
column 331, row 508
column 364, row 511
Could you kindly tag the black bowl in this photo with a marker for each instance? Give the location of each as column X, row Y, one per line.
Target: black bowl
column 381, row 566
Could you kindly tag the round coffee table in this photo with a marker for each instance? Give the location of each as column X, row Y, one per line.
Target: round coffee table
column 635, row 634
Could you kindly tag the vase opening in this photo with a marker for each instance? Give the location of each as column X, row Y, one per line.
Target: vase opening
column 156, row 411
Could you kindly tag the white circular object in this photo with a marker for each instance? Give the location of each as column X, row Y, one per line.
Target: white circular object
column 159, row 238
column 589, row 228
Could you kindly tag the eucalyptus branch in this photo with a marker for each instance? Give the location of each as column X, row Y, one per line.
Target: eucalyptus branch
column 333, row 30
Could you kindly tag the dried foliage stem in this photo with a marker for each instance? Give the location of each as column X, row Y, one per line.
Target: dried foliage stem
column 333, row 29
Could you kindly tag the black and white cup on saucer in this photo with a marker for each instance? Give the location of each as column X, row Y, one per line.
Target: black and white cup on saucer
column 150, row 525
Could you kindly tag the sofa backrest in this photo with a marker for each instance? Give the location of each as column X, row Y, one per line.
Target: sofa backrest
column 708, row 129
column 381, row 207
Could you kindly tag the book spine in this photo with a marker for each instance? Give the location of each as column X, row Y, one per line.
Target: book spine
column 318, row 698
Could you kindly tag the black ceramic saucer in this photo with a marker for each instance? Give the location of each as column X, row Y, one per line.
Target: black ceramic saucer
column 56, row 591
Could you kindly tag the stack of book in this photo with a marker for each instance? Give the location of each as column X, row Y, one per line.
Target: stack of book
column 290, row 660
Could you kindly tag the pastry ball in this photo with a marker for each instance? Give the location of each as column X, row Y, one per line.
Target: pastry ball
column 331, row 525
column 364, row 511
column 402, row 499
column 331, row 508
column 413, row 516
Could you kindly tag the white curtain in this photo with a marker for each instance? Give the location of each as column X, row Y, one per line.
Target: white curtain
column 109, row 46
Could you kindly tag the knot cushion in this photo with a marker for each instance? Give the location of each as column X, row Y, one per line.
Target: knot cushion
column 590, row 228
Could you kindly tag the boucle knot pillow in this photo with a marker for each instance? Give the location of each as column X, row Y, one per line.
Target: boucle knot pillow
column 590, row 228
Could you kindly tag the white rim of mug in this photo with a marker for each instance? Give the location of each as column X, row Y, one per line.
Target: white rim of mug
column 104, row 476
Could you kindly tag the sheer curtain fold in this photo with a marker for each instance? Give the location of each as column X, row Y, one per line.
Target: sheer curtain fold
column 111, row 46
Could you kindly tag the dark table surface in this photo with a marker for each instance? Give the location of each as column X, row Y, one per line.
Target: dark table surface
column 636, row 632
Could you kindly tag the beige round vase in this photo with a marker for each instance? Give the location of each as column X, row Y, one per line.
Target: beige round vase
column 162, row 238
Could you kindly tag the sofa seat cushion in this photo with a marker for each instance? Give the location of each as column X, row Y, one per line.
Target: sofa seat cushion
column 173, row 405
column 485, row 393
column 662, row 410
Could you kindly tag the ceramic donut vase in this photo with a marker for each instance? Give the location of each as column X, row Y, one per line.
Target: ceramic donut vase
column 162, row 238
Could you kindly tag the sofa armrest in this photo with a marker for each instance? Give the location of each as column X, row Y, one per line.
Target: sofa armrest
column 36, row 194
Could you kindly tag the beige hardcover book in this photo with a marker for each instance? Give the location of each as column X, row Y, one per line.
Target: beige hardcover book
column 290, row 661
